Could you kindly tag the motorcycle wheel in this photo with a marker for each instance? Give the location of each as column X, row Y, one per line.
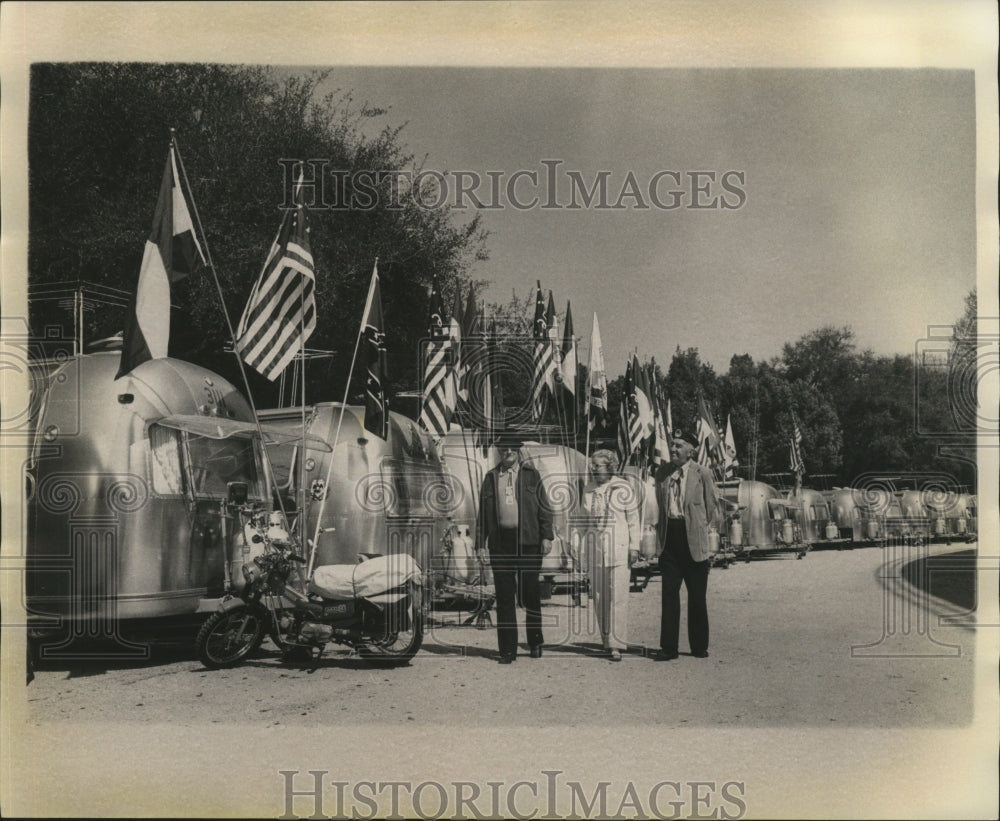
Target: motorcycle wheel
column 397, row 647
column 225, row 639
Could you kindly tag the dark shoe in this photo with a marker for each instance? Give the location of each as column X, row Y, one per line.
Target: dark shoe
column 702, row 655
column 536, row 651
column 507, row 658
column 664, row 656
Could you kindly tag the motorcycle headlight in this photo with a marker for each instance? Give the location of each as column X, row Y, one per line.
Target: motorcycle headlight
column 250, row 572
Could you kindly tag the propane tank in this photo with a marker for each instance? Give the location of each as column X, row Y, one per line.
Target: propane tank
column 832, row 531
column 960, row 524
column 713, row 541
column 462, row 558
column 736, row 534
column 787, row 531
column 648, row 544
column 247, row 544
column 939, row 526
column 872, row 529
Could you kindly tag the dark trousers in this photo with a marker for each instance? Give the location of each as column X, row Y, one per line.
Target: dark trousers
column 515, row 577
column 676, row 566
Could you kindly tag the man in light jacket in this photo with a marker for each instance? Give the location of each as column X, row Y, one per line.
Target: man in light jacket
column 686, row 494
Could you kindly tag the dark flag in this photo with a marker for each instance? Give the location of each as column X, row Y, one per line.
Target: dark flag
column 172, row 252
column 435, row 412
column 543, row 360
column 566, row 373
column 373, row 339
column 281, row 312
column 796, row 461
column 628, row 416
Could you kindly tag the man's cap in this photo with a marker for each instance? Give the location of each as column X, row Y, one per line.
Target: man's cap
column 510, row 439
column 685, row 437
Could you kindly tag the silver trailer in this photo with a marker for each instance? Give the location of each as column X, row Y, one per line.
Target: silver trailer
column 953, row 516
column 126, row 487
column 365, row 494
column 747, row 524
column 845, row 514
column 812, row 516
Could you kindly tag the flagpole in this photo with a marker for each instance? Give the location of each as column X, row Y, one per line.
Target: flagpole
column 175, row 145
column 340, row 422
column 302, row 462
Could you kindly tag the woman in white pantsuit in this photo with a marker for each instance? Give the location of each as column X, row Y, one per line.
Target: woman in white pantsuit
column 612, row 504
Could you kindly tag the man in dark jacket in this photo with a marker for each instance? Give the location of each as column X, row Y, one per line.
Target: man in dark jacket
column 515, row 522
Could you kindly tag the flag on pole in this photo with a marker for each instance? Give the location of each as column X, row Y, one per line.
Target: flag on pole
column 171, row 253
column 281, row 312
column 486, row 369
column 373, row 336
column 454, row 326
column 669, row 418
column 797, row 463
column 566, row 374
column 729, row 462
column 435, row 414
column 708, row 435
column 469, row 361
column 641, row 427
column 624, row 418
column 661, row 441
column 597, row 380
column 544, row 358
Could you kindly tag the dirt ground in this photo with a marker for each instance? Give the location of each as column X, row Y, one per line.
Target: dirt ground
column 835, row 687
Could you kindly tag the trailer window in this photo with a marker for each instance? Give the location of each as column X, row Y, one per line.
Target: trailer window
column 166, row 448
column 216, row 462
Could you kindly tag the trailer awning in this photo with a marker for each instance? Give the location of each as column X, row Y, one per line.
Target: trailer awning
column 214, row 427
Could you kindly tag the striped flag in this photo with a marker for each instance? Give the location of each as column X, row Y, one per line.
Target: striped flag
column 544, row 358
column 281, row 312
column 709, row 440
column 171, row 253
column 435, row 413
column 566, row 373
column 597, row 380
column 373, row 337
column 797, row 464
column 630, row 429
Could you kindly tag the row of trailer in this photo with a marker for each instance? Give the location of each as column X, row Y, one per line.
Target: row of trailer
column 131, row 516
column 759, row 519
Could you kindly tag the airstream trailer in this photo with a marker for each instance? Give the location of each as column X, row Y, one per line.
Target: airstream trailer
column 126, row 488
column 366, row 494
column 953, row 516
column 812, row 515
column 914, row 525
column 845, row 515
column 877, row 505
column 787, row 517
column 747, row 526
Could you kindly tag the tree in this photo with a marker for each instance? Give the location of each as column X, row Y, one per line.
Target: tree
column 92, row 189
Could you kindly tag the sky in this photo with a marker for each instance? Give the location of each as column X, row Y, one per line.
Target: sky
column 857, row 206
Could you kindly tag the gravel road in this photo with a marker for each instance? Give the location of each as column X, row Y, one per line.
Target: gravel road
column 831, row 687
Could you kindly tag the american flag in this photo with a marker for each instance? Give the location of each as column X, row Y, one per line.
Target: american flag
column 435, row 413
column 797, row 465
column 373, row 336
column 544, row 359
column 630, row 428
column 281, row 312
column 709, row 440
